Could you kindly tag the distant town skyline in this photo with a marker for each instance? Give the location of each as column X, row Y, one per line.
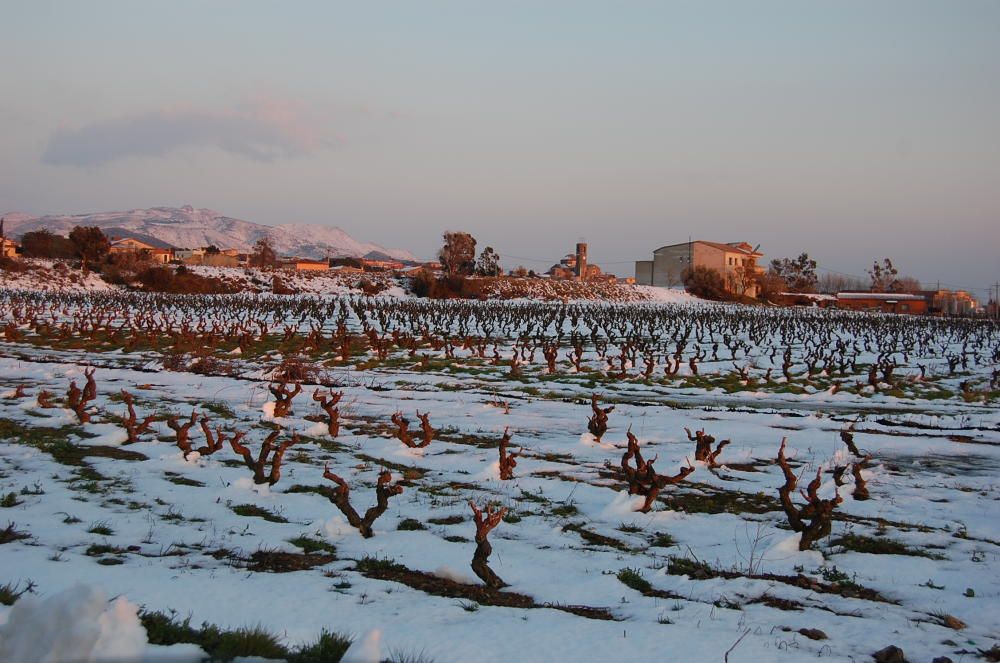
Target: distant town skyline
column 850, row 130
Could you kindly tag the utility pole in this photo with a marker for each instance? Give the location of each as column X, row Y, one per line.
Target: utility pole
column 996, row 300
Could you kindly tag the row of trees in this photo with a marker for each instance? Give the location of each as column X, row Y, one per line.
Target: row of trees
column 799, row 275
column 86, row 243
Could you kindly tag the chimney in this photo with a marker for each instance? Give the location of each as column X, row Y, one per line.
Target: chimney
column 581, row 261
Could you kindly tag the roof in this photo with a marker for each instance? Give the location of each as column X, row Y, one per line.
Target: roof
column 132, row 241
column 148, row 240
column 881, row 296
column 735, row 247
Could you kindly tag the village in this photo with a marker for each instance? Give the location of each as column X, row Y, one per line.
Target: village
column 731, row 271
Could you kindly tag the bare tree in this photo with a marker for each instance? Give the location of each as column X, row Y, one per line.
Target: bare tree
column 133, row 426
column 884, row 277
column 703, row 447
column 813, row 520
column 480, row 559
column 329, row 405
column 508, row 460
column 597, row 424
column 259, row 464
column 341, row 498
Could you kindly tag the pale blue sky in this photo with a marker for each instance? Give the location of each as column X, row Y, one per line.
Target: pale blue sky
column 852, row 130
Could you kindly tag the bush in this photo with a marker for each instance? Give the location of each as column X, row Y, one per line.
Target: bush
column 425, row 284
column 44, row 244
column 12, row 265
column 370, row 288
column 182, row 281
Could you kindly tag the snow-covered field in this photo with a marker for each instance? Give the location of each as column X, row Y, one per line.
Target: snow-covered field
column 712, row 568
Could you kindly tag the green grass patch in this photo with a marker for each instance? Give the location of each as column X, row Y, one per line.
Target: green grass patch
column 102, row 528
column 662, row 540
column 310, row 545
column 254, row 511
column 447, row 520
column 877, row 545
column 378, row 564
column 633, row 578
column 410, row 524
column 10, row 593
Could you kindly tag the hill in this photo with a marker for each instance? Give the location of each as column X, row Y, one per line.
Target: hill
column 189, row 227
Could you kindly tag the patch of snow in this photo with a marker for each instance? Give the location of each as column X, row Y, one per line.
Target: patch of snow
column 367, row 649
column 77, row 624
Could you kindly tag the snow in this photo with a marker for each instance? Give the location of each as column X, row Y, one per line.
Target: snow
column 366, row 650
column 188, row 227
column 668, row 295
column 933, row 484
column 76, row 624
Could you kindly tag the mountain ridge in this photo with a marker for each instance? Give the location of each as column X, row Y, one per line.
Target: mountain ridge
column 190, row 227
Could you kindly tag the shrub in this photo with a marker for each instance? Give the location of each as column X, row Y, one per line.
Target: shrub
column 633, row 578
column 13, row 265
column 44, row 244
column 425, row 284
column 330, row 647
column 180, row 281
column 706, row 283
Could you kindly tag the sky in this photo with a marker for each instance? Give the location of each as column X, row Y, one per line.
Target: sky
column 852, row 130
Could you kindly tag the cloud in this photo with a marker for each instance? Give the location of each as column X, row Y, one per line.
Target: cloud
column 264, row 130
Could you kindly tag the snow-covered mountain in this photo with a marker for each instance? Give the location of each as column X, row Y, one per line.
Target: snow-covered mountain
column 187, row 227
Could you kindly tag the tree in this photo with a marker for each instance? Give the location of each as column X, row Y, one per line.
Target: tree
column 44, row 244
column 769, row 284
column 458, row 255
column 884, row 277
column 705, row 282
column 834, row 283
column 908, row 284
column 91, row 245
column 743, row 279
column 263, row 254
column 799, row 274
column 489, row 263
column 212, row 250
column 520, row 271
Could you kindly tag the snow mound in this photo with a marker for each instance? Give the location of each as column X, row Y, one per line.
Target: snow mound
column 365, row 650
column 668, row 295
column 454, row 575
column 78, row 624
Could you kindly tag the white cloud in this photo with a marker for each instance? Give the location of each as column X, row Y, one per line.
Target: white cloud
column 264, row 130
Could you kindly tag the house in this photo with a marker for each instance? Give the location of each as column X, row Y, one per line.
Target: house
column 887, row 302
column 203, row 257
column 189, row 256
column 374, row 265
column 219, row 260
column 737, row 262
column 8, row 248
column 306, row 265
column 162, row 254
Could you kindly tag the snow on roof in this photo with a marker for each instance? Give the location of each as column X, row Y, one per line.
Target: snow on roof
column 808, row 295
column 735, row 247
column 883, row 296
